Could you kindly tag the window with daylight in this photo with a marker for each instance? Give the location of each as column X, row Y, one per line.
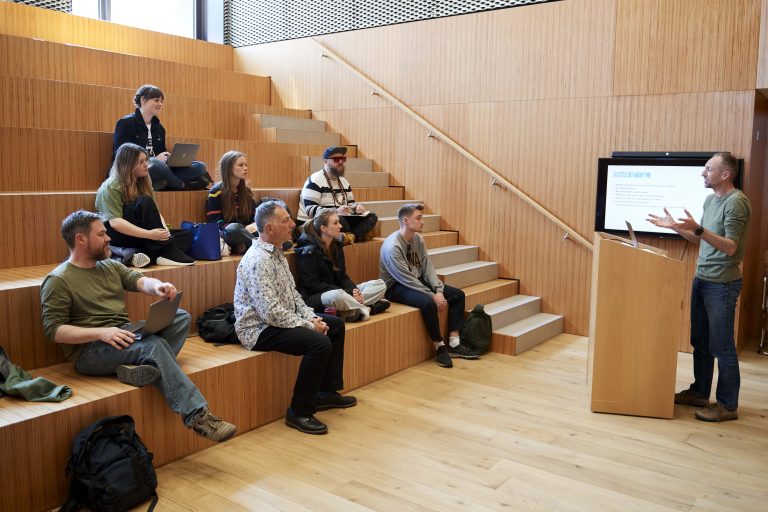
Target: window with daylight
column 175, row 17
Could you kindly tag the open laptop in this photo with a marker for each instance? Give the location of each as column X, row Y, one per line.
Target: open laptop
column 182, row 155
column 632, row 236
column 160, row 316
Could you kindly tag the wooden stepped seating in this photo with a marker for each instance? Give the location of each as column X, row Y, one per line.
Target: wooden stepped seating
column 33, row 58
column 32, row 22
column 386, row 344
column 209, row 283
column 83, row 158
column 45, row 211
column 37, row 103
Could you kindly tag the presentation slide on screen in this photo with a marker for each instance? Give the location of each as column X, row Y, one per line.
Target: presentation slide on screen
column 632, row 192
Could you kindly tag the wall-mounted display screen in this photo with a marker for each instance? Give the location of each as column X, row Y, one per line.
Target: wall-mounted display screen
column 628, row 189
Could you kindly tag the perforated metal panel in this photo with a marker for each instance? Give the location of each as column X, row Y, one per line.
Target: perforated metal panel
column 248, row 22
column 54, row 5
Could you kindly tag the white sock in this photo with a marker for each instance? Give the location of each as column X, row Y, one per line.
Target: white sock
column 454, row 341
column 438, row 344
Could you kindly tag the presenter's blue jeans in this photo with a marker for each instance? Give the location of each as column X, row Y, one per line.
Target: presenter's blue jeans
column 713, row 314
column 159, row 350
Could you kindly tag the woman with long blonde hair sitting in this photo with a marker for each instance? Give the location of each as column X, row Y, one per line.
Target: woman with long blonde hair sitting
column 126, row 202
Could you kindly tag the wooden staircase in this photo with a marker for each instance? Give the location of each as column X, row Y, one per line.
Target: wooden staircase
column 60, row 105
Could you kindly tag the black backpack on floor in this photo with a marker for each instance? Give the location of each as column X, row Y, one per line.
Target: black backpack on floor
column 477, row 330
column 112, row 469
column 217, row 325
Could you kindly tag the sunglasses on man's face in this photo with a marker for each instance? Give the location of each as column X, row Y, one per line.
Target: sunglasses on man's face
column 339, row 159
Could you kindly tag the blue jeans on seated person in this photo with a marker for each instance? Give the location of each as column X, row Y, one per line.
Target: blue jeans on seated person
column 173, row 178
column 159, row 350
column 713, row 314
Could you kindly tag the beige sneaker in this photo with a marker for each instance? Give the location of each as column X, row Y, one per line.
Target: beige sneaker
column 716, row 412
column 213, row 427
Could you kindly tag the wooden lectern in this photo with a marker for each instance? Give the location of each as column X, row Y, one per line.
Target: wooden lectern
column 634, row 327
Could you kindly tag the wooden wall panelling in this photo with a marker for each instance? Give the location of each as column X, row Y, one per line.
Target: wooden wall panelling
column 45, row 60
column 81, row 159
column 762, row 56
column 515, row 54
column 669, row 46
column 35, row 103
column 23, row 21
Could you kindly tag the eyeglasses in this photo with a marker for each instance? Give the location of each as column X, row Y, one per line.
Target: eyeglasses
column 339, row 159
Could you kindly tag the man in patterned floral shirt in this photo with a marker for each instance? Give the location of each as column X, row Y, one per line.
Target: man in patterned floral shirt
column 270, row 315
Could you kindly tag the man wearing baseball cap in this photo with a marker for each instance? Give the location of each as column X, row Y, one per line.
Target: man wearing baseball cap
column 329, row 189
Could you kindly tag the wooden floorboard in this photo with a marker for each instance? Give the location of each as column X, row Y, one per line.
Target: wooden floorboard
column 502, row 433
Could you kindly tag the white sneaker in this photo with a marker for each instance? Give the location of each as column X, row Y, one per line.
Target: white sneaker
column 172, row 263
column 139, row 260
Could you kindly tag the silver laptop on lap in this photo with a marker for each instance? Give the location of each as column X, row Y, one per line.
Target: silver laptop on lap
column 160, row 316
column 182, row 155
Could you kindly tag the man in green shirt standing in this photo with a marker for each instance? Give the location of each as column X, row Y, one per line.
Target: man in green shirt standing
column 84, row 310
column 721, row 238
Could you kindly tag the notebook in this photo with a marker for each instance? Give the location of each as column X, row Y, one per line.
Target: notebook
column 160, row 316
column 182, row 155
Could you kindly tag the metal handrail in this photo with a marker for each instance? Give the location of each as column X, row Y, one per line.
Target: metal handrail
column 433, row 131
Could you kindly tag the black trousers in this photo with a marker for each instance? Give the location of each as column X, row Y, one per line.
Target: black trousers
column 358, row 226
column 143, row 213
column 428, row 308
column 322, row 366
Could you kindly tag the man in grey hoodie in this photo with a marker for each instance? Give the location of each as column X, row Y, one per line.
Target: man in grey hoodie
column 411, row 279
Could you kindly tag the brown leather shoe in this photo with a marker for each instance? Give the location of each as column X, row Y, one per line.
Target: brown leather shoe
column 716, row 412
column 688, row 397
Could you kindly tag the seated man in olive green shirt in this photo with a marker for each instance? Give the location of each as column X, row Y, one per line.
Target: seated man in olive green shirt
column 83, row 307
